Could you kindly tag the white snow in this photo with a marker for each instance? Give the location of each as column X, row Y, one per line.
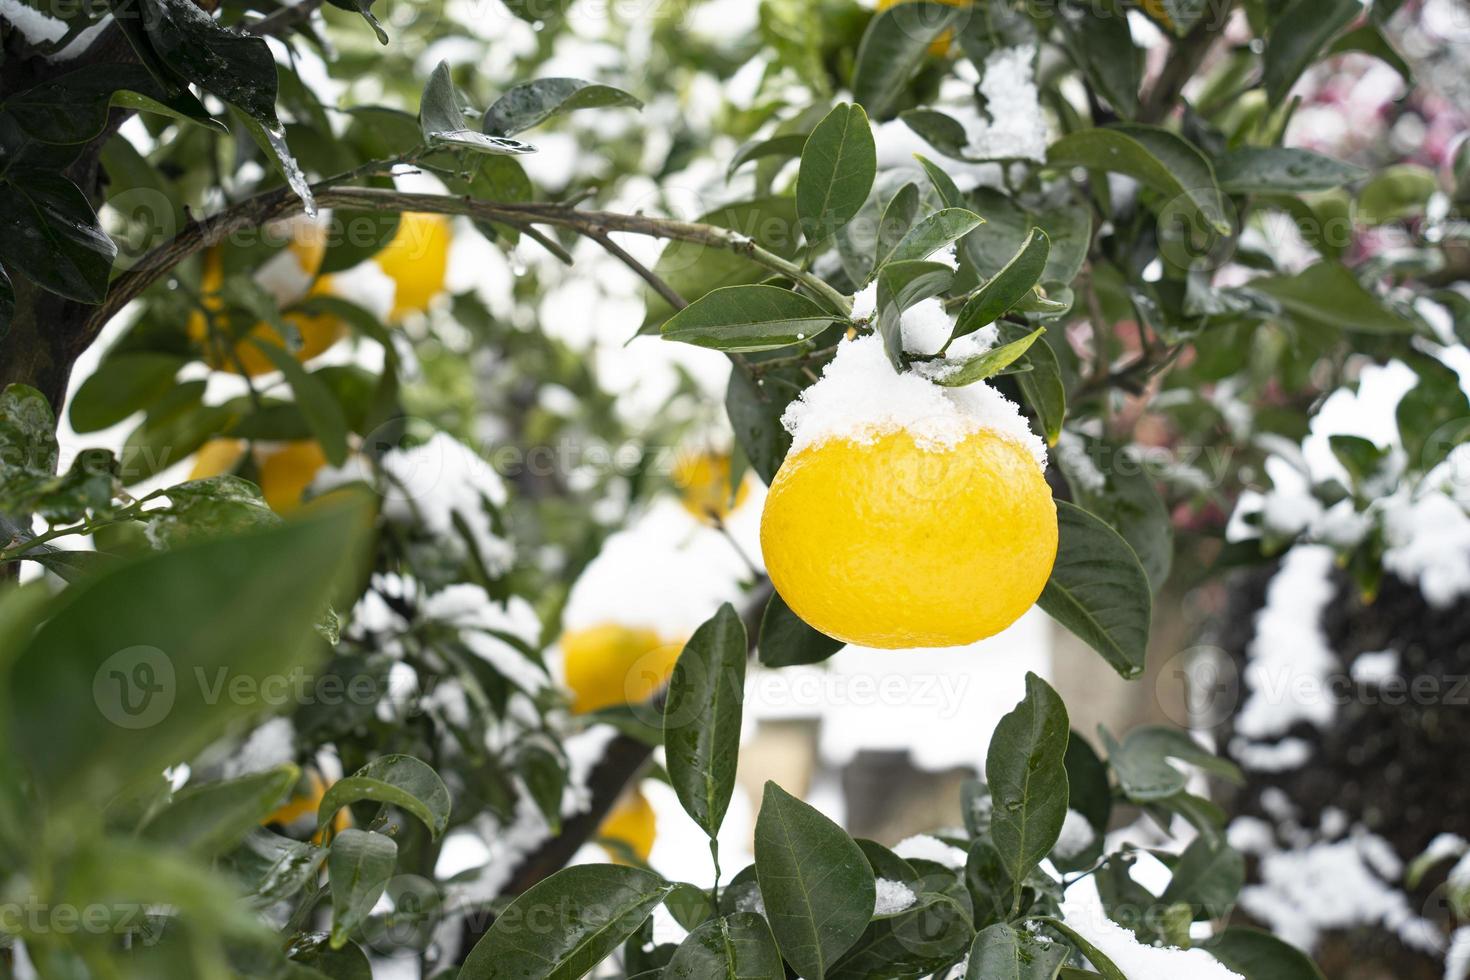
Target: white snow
column 1457, row 959
column 1289, row 659
column 1140, row 962
column 1429, row 545
column 1289, row 753
column 1077, row 836
column 861, row 397
column 926, row 326
column 268, row 746
column 891, row 897
column 439, row 480
column 927, row 848
column 480, row 619
column 1017, row 125
column 36, row 27
column 1376, row 667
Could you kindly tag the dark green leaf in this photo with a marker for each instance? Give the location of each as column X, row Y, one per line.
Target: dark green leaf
column 273, row 868
column 1027, row 775
column 894, row 47
column 1280, row 169
column 1371, row 40
column 121, row 386
column 365, row 8
column 1042, row 386
column 943, row 132
column 920, row 941
column 52, row 237
column 838, row 164
column 783, row 147
column 738, row 945
column 748, row 318
column 992, row 889
column 1299, row 35
column 443, row 122
column 786, row 640
column 1330, row 295
column 563, row 926
column 1142, row 762
column 900, row 286
column 934, row 232
column 1002, row 953
column 990, row 363
column 1007, row 287
column 898, row 218
column 1104, row 966
column 316, row 401
column 149, row 644
column 1113, row 483
column 702, row 718
column 237, row 67
column 1101, row 43
column 1161, row 160
column 359, row 866
column 398, row 780
column 1207, row 877
column 532, row 103
column 1099, row 591
column 944, row 185
column 213, row 817
column 73, row 107
column 1261, row 956
column 817, row 886
column 1398, row 192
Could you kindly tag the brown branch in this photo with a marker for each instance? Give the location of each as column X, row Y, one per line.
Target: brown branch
column 1188, row 53
column 669, row 294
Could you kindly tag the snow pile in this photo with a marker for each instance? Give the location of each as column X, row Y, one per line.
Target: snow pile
column 270, row 745
column 1139, row 962
column 923, row 847
column 1077, row 836
column 1289, row 659
column 1334, row 885
column 439, row 481
column 892, row 897
column 1017, row 125
column 860, row 397
column 36, row 27
column 1376, row 667
column 1429, row 545
column 483, row 622
column 1457, row 960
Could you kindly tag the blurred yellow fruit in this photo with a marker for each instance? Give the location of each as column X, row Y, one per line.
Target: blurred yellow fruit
column 416, row 259
column 318, row 331
column 285, row 472
column 703, row 481
column 306, row 804
column 891, row 545
column 940, row 47
column 1159, row 11
column 217, row 456
column 612, row 664
column 632, row 823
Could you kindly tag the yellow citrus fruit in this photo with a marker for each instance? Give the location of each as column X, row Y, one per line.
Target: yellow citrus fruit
column 889, row 544
column 1159, row 12
column 703, row 481
column 940, row 47
column 612, row 664
column 318, row 331
column 306, row 804
column 632, row 823
column 217, row 456
column 287, row 472
column 416, row 259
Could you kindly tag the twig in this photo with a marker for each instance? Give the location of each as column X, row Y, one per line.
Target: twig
column 282, row 20
column 1184, row 61
column 670, row 295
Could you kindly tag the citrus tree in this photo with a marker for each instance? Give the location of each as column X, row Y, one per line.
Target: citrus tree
column 970, row 268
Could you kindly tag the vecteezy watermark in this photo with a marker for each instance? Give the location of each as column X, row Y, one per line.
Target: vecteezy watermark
column 135, row 688
column 36, row 917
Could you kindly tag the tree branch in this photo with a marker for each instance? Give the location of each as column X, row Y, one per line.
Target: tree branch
column 281, row 202
column 1184, row 60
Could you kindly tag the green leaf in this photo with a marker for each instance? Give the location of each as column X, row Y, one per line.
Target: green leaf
column 1208, row 877
column 1142, row 762
column 900, row 286
column 920, row 941
column 1261, row 956
column 738, row 945
column 315, row 399
column 755, row 409
column 273, row 868
column 991, row 887
column 398, row 780
column 563, row 926
column 365, row 8
column 532, row 103
column 541, row 769
column 211, row 818
column 894, row 47
column 748, row 318
column 898, row 218
column 1280, row 169
column 786, row 640
column 1159, row 159
column 272, row 141
column 359, row 866
column 1007, row 287
column 7, row 302
column 157, row 650
column 443, row 122
column 817, row 886
column 693, row 270
column 1112, row 483
column 1101, row 43
column 1104, row 966
column 52, row 236
column 1028, row 780
column 1328, row 294
column 347, row 963
column 1371, row 40
column 702, row 718
column 121, row 386
column 1098, row 590
column 838, row 164
column 1299, row 35
column 944, row 185
column 934, row 232
column 1398, row 192
column 785, row 147
column 990, row 363
column 1001, row 952
column 237, row 67
column 941, row 131
column 1042, row 386
column 73, row 108
column 1088, row 789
